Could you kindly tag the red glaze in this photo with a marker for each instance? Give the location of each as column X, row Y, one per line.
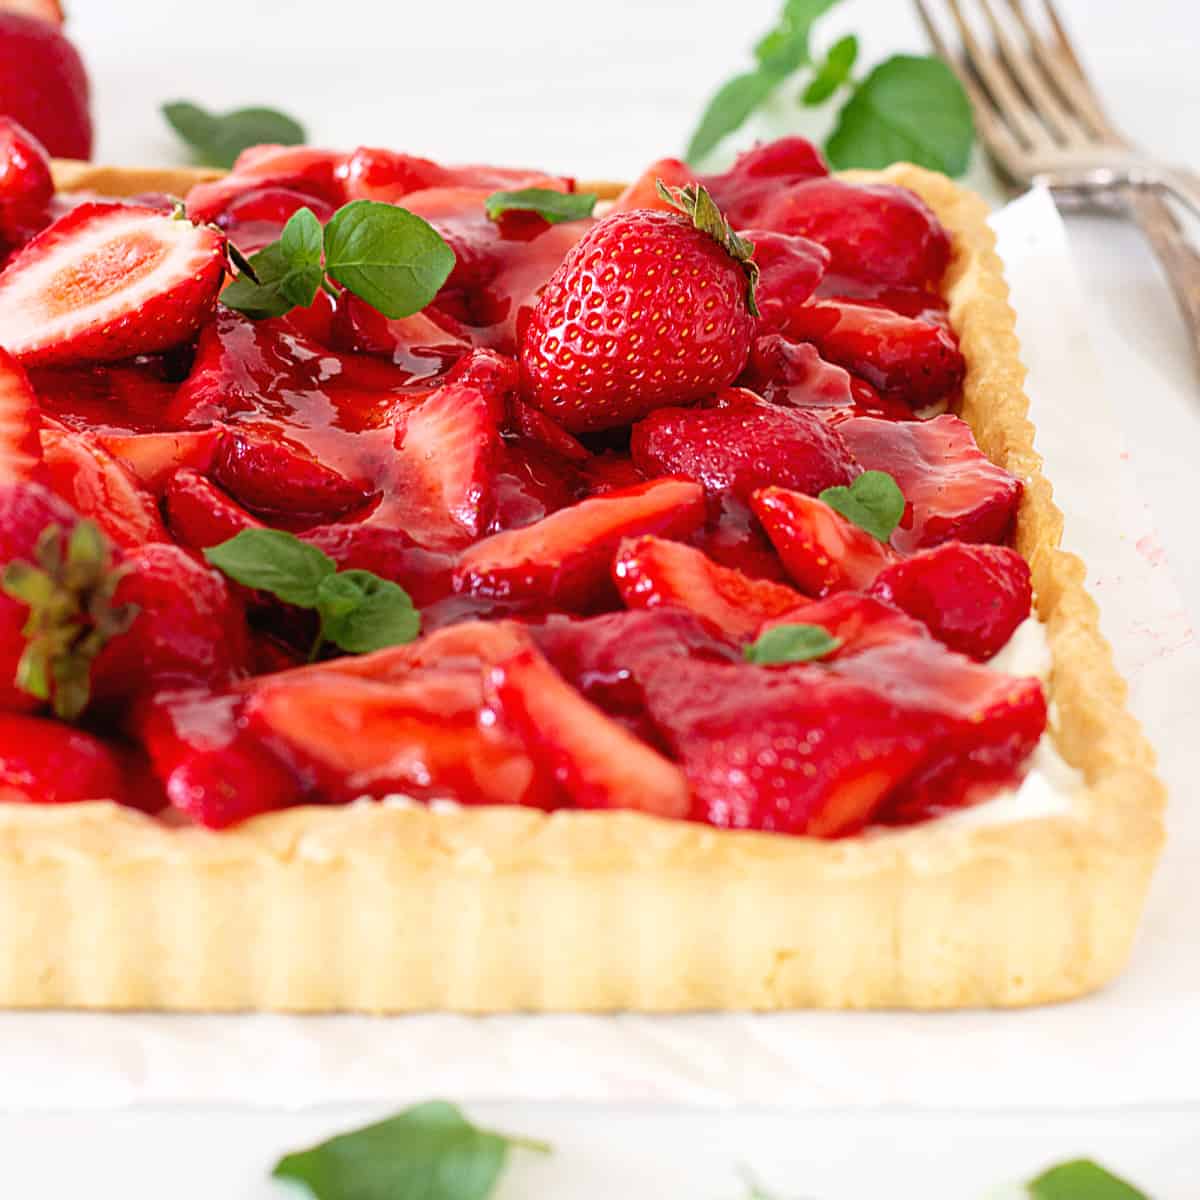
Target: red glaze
column 200, row 515
column 256, row 218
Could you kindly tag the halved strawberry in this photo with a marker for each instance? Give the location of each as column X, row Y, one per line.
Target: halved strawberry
column 597, row 762
column 155, row 458
column 45, row 10
column 109, row 281
column 904, row 358
column 98, row 486
column 47, row 762
column 542, row 428
column 822, row 551
column 643, row 191
column 762, row 173
column 790, row 268
column 745, row 445
column 200, row 514
column 563, row 560
column 304, row 169
column 972, row 598
column 794, row 749
column 419, row 736
column 651, row 573
column 256, row 218
column 856, row 620
column 952, row 489
column 20, row 446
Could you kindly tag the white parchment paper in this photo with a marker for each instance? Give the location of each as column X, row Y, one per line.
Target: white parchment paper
column 1138, row 1043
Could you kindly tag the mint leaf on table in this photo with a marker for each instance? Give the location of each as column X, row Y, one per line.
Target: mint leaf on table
column 833, row 71
column 359, row 611
column 217, row 139
column 873, row 502
column 549, row 204
column 387, row 256
column 431, row 1151
column 907, row 109
column 1081, row 1180
column 791, row 643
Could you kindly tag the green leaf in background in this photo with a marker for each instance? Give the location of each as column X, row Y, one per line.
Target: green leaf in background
column 265, row 298
column 302, row 245
column 217, row 139
column 361, row 612
column 778, row 53
column 833, row 72
column 270, row 560
column 430, row 1152
column 550, row 205
column 387, row 256
column 873, row 502
column 1081, row 1180
column 791, row 643
column 906, row 110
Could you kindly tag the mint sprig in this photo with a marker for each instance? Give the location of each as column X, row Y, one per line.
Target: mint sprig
column 387, row 256
column 431, row 1151
column 791, row 643
column 1081, row 1179
column 359, row 612
column 910, row 108
column 874, row 502
column 216, row 139
column 550, row 205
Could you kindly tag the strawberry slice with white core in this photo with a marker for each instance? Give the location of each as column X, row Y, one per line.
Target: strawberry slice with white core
column 107, row 282
column 599, row 763
column 45, row 10
column 20, row 448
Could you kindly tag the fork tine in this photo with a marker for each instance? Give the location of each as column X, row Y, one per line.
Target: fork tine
column 1038, row 91
column 991, row 128
column 1004, row 91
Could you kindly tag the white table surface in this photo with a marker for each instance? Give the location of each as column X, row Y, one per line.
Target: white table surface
column 557, row 85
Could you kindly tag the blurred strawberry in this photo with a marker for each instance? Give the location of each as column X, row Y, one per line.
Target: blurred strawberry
column 26, row 185
column 46, row 762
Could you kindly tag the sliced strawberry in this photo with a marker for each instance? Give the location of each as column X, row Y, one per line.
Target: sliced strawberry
column 109, row 281
column 129, row 397
column 448, row 447
column 906, row 359
column 20, row 446
column 953, row 491
column 45, row 10
column 794, row 373
column 201, row 515
column 972, row 598
column 563, row 561
column 822, row 551
column 747, row 445
column 389, row 553
column 761, row 174
column 857, row 621
column 155, row 458
column 425, row 345
column 26, row 185
column 610, row 472
column 281, row 477
column 256, row 218
column 790, row 268
column 303, row 169
column 98, row 486
column 47, row 762
column 793, row 749
column 420, row 736
column 598, row 762
column 643, row 191
column 542, row 428
column 651, row 572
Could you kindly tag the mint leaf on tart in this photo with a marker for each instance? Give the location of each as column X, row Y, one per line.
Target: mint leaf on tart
column 387, row 256
column 833, row 71
column 874, row 502
column 907, row 109
column 260, row 295
column 791, row 643
column 302, row 245
column 549, row 204
column 431, row 1151
column 1081, row 1179
column 359, row 611
column 217, row 139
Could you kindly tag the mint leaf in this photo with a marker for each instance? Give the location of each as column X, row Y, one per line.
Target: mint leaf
column 270, row 560
column 791, row 643
column 361, row 612
column 873, row 502
column 302, row 244
column 1081, row 1180
column 217, row 139
column 833, row 72
column 907, row 109
column 265, row 298
column 430, row 1151
column 387, row 256
column 550, row 205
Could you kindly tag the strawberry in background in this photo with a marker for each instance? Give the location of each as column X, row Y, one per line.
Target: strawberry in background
column 43, row 83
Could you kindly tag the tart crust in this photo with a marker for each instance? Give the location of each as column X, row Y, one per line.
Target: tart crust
column 383, row 909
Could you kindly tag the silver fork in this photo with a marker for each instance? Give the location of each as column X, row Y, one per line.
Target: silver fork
column 1042, row 122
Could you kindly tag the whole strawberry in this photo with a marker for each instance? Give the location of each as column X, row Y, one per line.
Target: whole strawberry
column 649, row 308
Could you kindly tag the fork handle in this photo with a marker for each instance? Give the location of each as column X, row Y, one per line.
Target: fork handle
column 1179, row 260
